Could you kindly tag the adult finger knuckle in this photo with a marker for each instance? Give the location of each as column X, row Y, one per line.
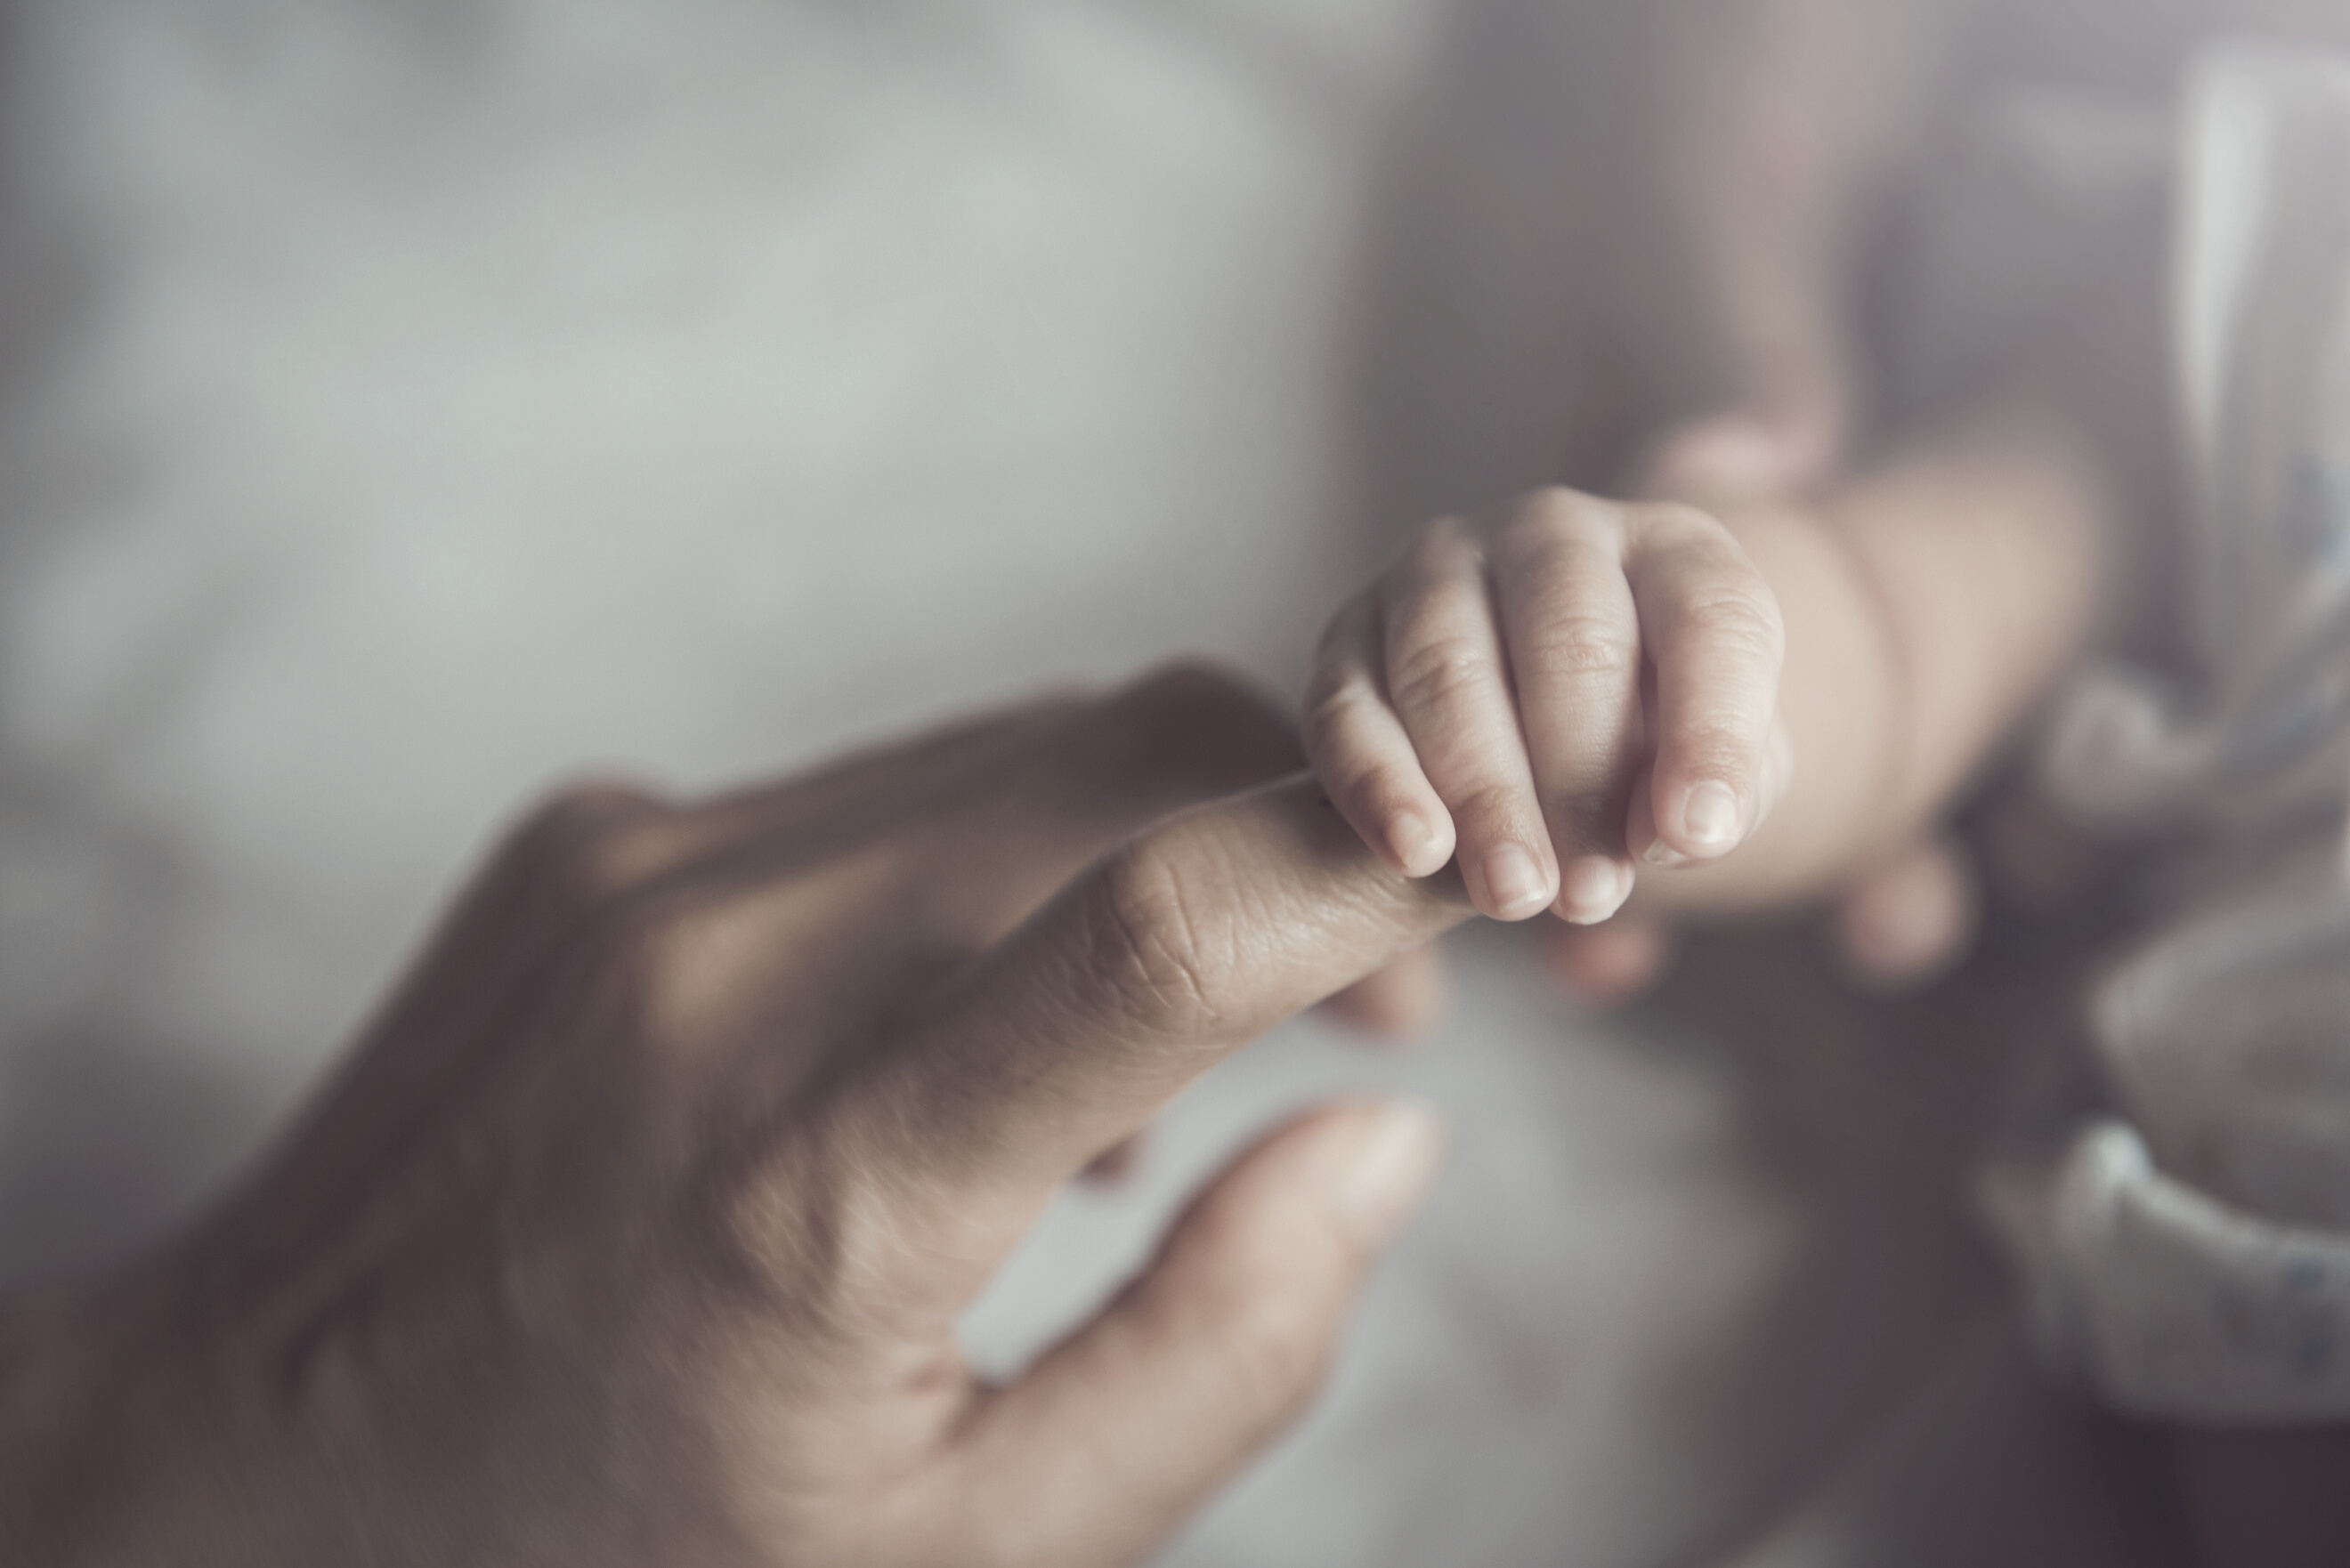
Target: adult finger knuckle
column 579, row 816
column 689, row 962
column 779, row 1228
column 645, row 953
column 589, row 840
column 1145, row 944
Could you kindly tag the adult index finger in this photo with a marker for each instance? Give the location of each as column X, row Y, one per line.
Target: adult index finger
column 1161, row 959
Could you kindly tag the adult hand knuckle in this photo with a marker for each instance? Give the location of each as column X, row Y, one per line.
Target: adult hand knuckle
column 1146, row 943
column 579, row 813
column 644, row 950
column 782, row 1227
column 588, row 840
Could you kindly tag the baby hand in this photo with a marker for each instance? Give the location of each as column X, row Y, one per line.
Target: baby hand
column 1556, row 693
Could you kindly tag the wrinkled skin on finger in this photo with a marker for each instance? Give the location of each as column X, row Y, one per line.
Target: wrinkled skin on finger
column 637, row 1228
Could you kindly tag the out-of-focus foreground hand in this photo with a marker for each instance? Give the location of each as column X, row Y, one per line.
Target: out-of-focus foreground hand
column 639, row 1228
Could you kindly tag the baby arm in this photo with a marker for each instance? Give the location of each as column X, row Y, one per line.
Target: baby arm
column 1931, row 600
column 1568, row 680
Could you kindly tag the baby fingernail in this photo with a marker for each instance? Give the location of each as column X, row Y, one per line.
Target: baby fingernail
column 1413, row 841
column 1709, row 816
column 1514, row 883
column 1664, row 856
column 1592, row 887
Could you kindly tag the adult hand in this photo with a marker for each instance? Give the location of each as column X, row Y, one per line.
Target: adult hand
column 639, row 1228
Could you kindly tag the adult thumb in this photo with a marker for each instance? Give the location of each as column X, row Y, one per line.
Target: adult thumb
column 1110, row 1440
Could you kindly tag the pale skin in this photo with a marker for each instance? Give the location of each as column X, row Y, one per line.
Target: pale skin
column 1771, row 138
column 1920, row 608
column 1765, row 201
column 1912, row 606
column 638, row 1229
column 1602, row 695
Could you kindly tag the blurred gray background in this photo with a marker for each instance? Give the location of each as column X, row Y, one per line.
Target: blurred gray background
column 405, row 405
